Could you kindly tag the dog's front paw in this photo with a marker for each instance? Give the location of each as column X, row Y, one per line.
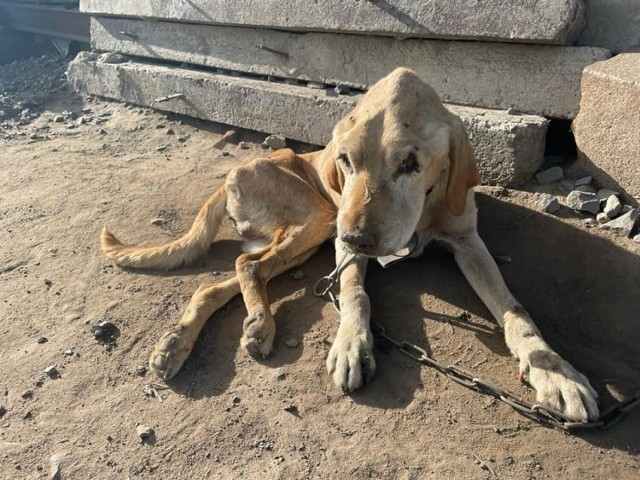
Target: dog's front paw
column 560, row 386
column 170, row 353
column 351, row 361
column 259, row 332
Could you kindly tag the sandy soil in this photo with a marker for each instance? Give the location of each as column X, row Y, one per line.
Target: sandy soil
column 226, row 415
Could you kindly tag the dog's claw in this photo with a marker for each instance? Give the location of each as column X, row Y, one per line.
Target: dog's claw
column 259, row 332
column 170, row 353
column 350, row 361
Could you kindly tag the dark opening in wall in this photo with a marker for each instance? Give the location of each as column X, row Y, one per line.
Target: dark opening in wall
column 560, row 144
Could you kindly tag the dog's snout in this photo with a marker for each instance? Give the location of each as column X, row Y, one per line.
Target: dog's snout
column 362, row 240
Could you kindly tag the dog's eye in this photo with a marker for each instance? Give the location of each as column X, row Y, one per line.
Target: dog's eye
column 409, row 165
column 344, row 160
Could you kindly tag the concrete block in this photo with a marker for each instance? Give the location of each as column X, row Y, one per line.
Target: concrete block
column 509, row 148
column 536, row 79
column 555, row 22
column 612, row 24
column 607, row 128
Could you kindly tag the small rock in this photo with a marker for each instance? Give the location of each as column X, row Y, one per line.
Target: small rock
column 602, row 218
column 158, row 221
column 27, row 394
column 68, row 353
column 104, row 332
column 548, row 203
column 584, row 181
column 235, row 399
column 512, row 111
column 264, row 145
column 42, row 340
column 59, row 119
column 86, row 110
column 145, row 433
column 342, row 89
column 226, row 154
column 583, row 202
column 182, row 138
column 48, row 283
column 589, row 222
column 291, row 408
column 141, row 370
column 160, row 125
column 298, row 275
column 586, row 188
column 316, row 85
column 54, row 472
column 637, row 238
column 230, row 136
column 102, row 131
column 623, row 224
column 52, row 372
column 161, row 148
column 170, row 131
column 550, row 175
column 502, row 259
column 243, row 145
column 292, row 343
column 275, row 142
column 605, row 193
column 279, row 374
column 3, row 411
column 612, row 207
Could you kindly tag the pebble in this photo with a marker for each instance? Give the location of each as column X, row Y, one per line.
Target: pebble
column 275, row 141
column 104, row 332
column 42, row 340
column 584, row 181
column 145, row 433
column 602, row 218
column 502, row 259
column 292, row 343
column 59, row 119
column 69, row 353
column 623, row 224
column 342, row 89
column 612, row 206
column 637, row 238
column 158, row 221
column 230, row 136
column 27, row 394
column 161, row 148
column 226, row 154
column 550, row 175
column 235, row 399
column 298, row 275
column 583, row 202
column 291, row 408
column 54, row 472
column 316, row 85
column 170, row 131
column 605, row 193
column 141, row 369
column 243, row 145
column 589, row 222
column 182, row 138
column 3, row 411
column 512, row 111
column 52, row 372
column 548, row 203
column 279, row 374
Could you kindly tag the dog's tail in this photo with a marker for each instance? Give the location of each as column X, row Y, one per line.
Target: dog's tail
column 177, row 253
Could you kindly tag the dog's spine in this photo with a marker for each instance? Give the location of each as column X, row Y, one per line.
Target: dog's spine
column 177, row 253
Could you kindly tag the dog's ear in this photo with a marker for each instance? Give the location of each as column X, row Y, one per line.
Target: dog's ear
column 463, row 171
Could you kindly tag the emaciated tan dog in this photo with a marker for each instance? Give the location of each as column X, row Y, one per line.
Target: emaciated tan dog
column 399, row 166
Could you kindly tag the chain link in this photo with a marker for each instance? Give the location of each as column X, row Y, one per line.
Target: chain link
column 539, row 413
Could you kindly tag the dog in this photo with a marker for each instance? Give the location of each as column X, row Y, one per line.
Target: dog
column 398, row 169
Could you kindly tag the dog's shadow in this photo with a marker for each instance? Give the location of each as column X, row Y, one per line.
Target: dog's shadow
column 578, row 287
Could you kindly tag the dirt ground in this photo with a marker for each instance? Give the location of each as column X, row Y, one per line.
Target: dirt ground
column 227, row 416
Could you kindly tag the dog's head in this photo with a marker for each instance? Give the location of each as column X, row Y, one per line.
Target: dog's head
column 397, row 147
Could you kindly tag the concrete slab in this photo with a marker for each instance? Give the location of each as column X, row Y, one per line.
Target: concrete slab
column 607, row 129
column 544, row 21
column 612, row 24
column 509, row 148
column 542, row 80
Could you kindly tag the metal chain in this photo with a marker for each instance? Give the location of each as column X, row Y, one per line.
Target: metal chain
column 539, row 413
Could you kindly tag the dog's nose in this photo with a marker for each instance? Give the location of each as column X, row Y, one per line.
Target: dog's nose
column 361, row 240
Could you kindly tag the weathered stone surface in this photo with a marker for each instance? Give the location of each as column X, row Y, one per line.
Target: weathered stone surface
column 612, row 207
column 550, row 175
column 509, row 149
column 548, row 203
column 612, row 24
column 607, row 127
column 624, row 223
column 583, row 202
column 528, row 78
column 543, row 21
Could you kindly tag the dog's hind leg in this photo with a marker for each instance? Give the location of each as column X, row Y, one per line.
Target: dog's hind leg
column 174, row 346
column 291, row 246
